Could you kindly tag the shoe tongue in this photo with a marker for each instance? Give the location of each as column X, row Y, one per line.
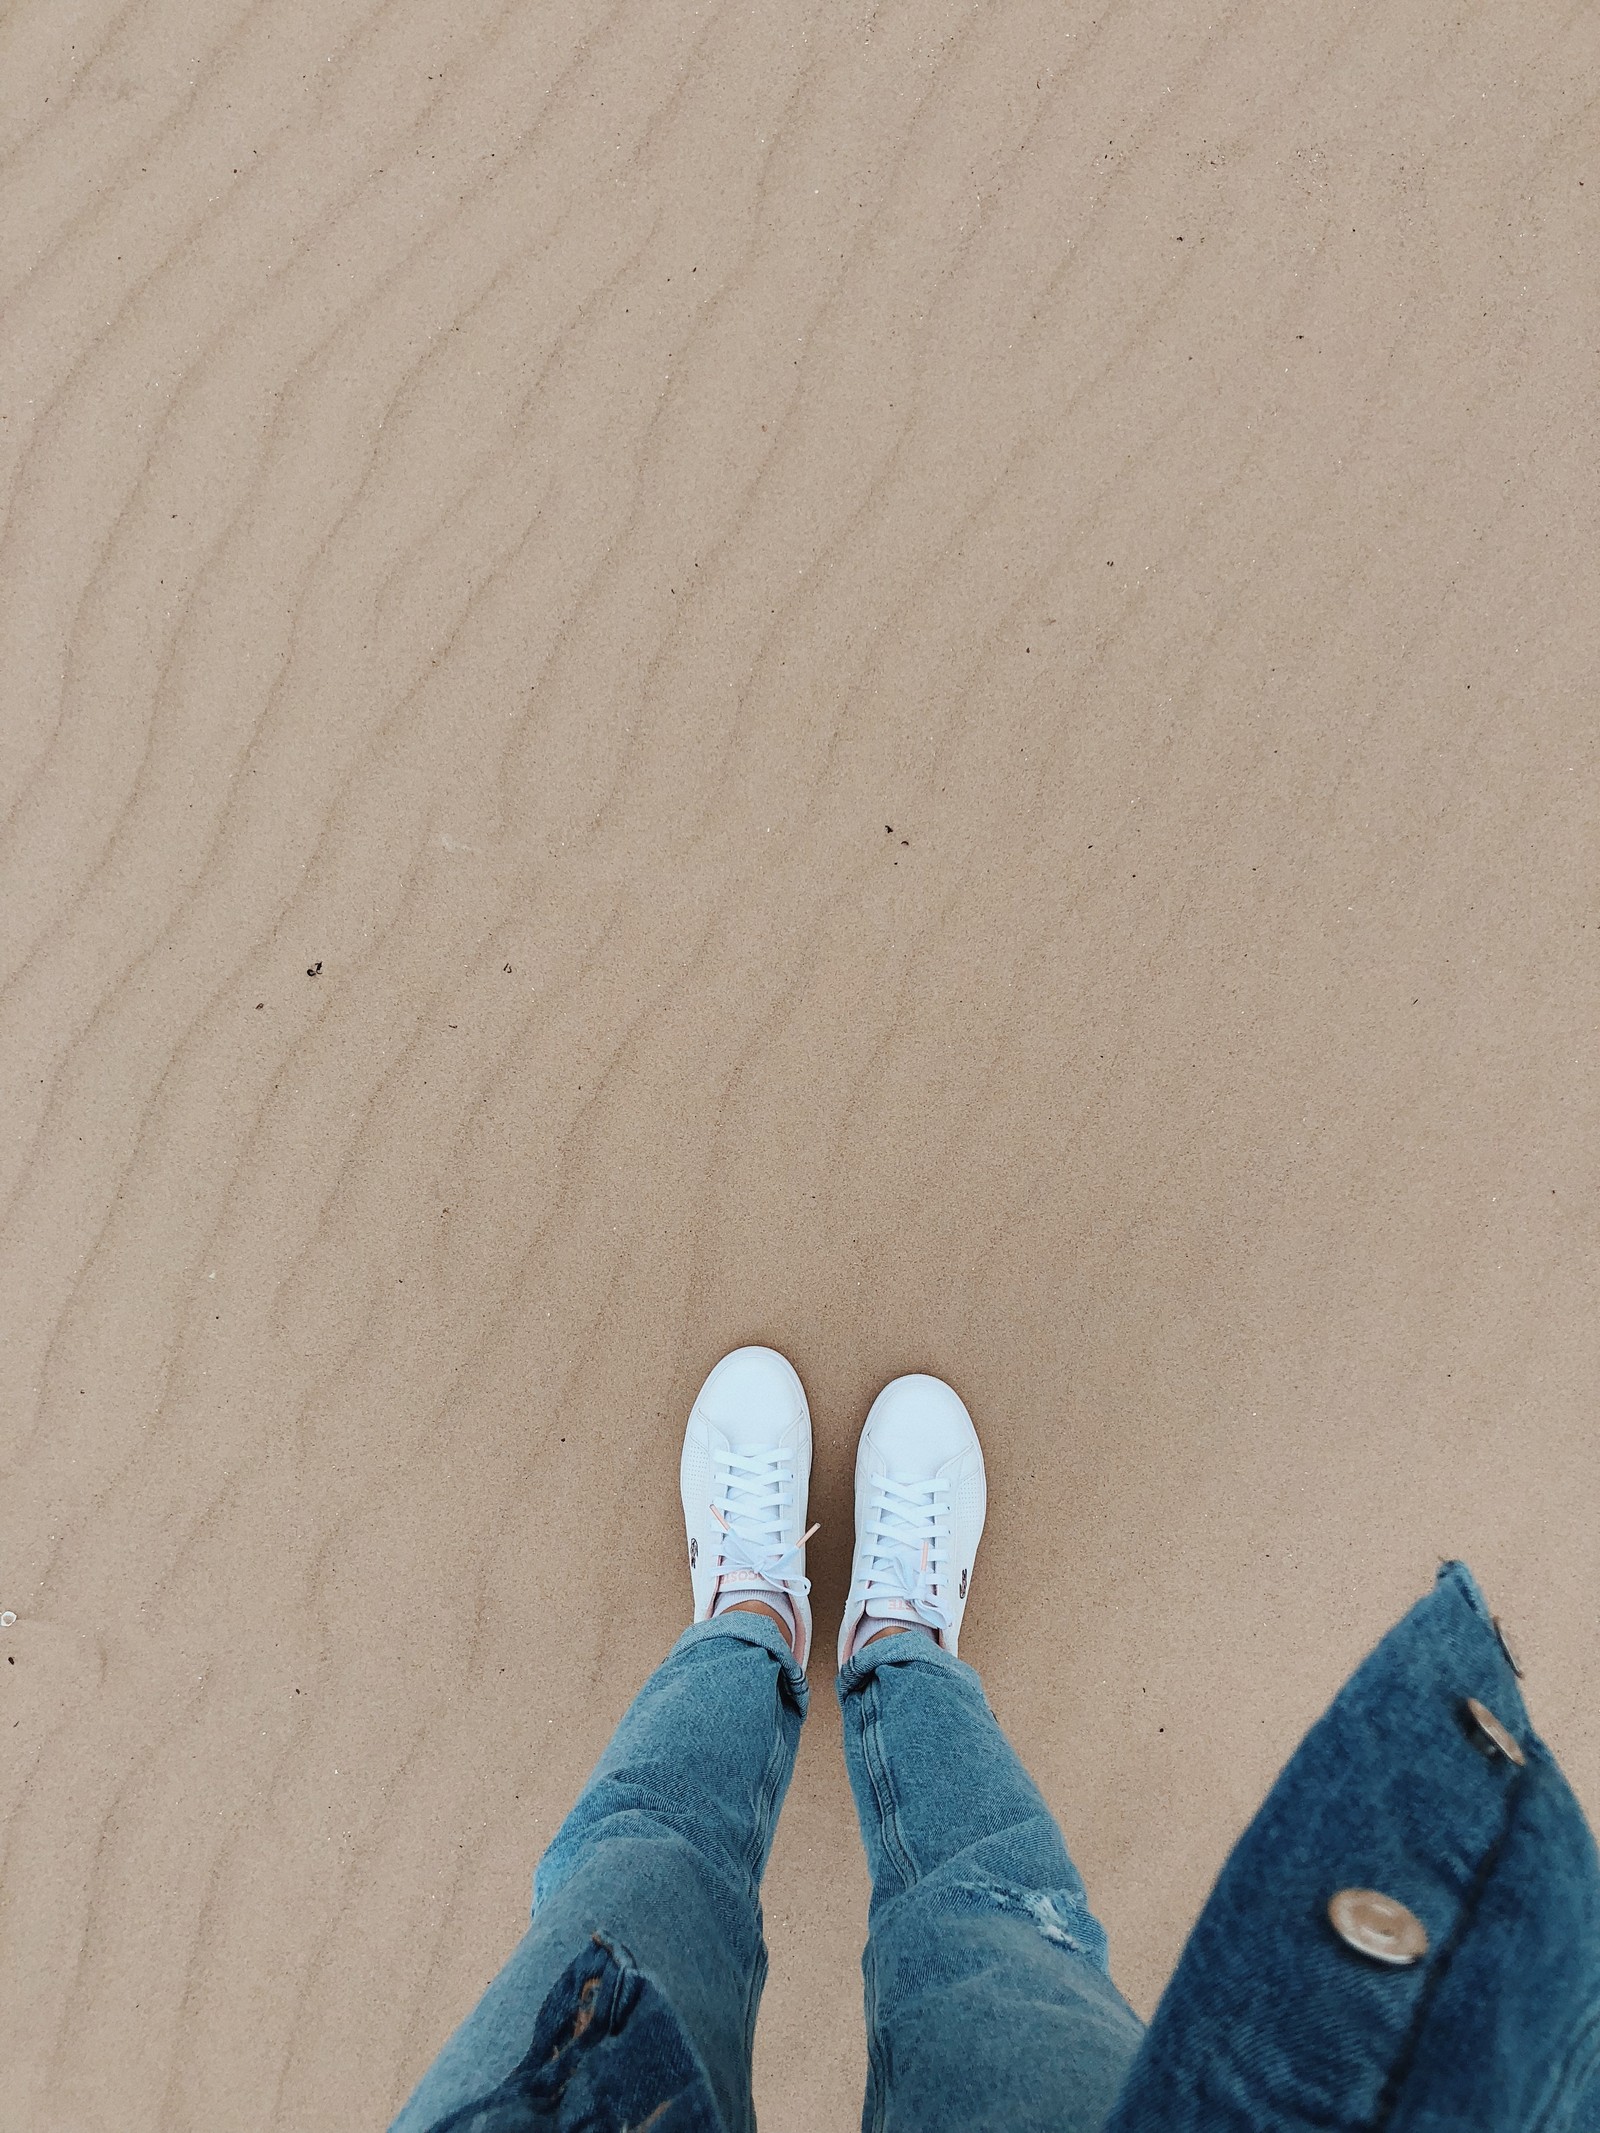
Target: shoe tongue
column 889, row 1608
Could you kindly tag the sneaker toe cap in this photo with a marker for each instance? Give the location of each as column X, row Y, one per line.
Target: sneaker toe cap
column 753, row 1396
column 919, row 1424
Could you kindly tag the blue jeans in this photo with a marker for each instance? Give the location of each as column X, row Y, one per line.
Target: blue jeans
column 1422, row 1795
column 988, row 1999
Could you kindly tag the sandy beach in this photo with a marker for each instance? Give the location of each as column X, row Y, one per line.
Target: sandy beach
column 917, row 682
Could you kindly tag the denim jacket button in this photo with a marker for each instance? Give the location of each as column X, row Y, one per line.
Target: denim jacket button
column 1374, row 1924
column 1493, row 1732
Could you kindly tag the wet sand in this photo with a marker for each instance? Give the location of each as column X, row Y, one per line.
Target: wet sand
column 914, row 682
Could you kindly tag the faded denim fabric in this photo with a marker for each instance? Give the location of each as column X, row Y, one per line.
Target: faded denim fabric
column 655, row 1874
column 631, row 2001
column 988, row 1998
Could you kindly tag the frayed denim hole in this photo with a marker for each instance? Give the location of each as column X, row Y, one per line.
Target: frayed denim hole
column 1053, row 1914
column 1042, row 1908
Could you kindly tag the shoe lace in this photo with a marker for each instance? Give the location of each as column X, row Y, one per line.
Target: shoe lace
column 755, row 1494
column 908, row 1524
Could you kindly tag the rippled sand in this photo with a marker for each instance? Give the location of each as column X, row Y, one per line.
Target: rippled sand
column 917, row 681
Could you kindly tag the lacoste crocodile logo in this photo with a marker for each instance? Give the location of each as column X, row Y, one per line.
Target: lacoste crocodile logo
column 694, row 1553
column 963, row 1588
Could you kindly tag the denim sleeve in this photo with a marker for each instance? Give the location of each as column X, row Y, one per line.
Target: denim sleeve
column 1271, row 2020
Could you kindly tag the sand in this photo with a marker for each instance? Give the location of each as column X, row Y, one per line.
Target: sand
column 917, row 682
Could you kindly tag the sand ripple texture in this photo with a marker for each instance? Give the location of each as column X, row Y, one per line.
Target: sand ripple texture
column 916, row 680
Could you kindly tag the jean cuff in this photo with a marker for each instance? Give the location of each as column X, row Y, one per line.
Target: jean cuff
column 754, row 1629
column 906, row 1648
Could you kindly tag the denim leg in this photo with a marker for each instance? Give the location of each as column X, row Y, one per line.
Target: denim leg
column 663, row 1853
column 989, row 2002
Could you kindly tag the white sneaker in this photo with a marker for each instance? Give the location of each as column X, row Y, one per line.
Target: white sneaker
column 745, row 1471
column 920, row 1503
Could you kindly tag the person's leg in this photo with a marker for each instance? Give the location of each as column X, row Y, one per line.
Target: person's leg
column 660, row 1861
column 632, row 1997
column 989, row 2002
column 988, row 1998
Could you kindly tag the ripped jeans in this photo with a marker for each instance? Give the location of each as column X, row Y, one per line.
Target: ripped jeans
column 631, row 1999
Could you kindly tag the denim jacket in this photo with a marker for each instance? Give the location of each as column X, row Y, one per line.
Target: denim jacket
column 1293, row 2006
column 1272, row 2021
